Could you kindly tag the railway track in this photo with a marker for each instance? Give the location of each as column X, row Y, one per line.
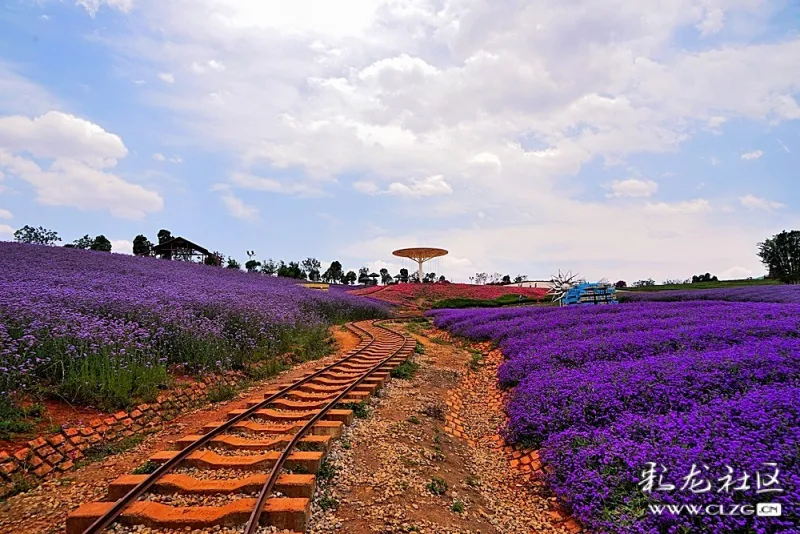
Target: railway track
column 258, row 468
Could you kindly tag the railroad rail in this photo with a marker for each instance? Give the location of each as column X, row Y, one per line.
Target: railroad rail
column 299, row 419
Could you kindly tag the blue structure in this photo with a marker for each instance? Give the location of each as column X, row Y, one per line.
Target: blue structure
column 590, row 293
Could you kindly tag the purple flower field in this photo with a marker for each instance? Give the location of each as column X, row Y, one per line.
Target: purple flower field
column 788, row 294
column 603, row 391
column 100, row 328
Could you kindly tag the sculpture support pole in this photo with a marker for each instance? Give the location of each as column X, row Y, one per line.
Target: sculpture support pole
column 421, row 261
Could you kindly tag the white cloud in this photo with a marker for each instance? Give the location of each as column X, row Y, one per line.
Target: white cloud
column 6, row 231
column 755, row 154
column 425, row 187
column 210, row 65
column 121, row 246
column 93, row 6
column 783, row 146
column 5, row 214
column 632, row 188
column 175, row 159
column 61, row 135
column 368, row 188
column 79, row 154
column 698, row 205
column 167, row 77
column 238, row 209
column 257, row 183
column 139, row 82
column 158, row 156
column 753, row 202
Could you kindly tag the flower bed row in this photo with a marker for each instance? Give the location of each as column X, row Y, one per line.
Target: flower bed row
column 787, row 294
column 607, row 390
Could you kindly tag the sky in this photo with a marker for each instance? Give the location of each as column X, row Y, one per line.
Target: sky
column 617, row 139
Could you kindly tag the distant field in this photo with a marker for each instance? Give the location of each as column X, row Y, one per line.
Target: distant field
column 706, row 285
column 425, row 295
column 751, row 293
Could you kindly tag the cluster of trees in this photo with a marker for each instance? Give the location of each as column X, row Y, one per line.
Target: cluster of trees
column 781, row 256
column 43, row 236
column 496, row 279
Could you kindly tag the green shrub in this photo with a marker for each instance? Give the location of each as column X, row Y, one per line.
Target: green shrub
column 326, row 502
column 457, row 507
column 221, row 393
column 146, row 468
column 437, row 486
column 405, row 370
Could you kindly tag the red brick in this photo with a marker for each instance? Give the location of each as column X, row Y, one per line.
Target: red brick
column 136, row 414
column 64, row 466
column 22, row 454
column 4, row 456
column 43, row 470
column 109, row 421
column 76, row 440
column 45, row 451
column 70, row 432
column 8, row 467
column 127, row 422
column 54, row 458
column 86, row 431
column 36, row 443
column 95, row 422
column 120, row 415
column 143, row 407
column 94, row 438
column 55, row 440
column 76, row 454
column 34, row 461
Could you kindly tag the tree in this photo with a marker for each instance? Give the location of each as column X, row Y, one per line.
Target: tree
column 142, row 246
column 507, row 279
column 214, row 259
column 101, row 243
column 334, row 273
column 36, row 236
column 429, row 278
column 520, row 278
column 781, row 255
column 270, row 268
column 442, row 279
column 84, row 243
column 644, row 283
column 312, row 267
column 481, row 278
column 414, row 278
column 404, row 276
column 373, row 279
column 252, row 265
column 698, row 278
column 164, row 236
column 292, row 270
column 363, row 275
column 386, row 278
column 622, row 284
column 350, row 278
column 233, row 264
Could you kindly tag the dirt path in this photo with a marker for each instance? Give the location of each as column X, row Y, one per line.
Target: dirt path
column 45, row 508
column 390, row 466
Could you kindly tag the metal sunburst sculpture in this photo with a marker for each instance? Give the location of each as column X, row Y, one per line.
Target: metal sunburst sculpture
column 560, row 284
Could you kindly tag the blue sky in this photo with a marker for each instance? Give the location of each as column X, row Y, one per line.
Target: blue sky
column 616, row 139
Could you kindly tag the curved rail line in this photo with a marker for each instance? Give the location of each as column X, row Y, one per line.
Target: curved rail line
column 348, row 373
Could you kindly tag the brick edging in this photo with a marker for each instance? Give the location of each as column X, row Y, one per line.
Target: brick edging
column 47, row 455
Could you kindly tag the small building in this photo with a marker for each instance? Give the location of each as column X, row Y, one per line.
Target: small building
column 180, row 248
column 543, row 284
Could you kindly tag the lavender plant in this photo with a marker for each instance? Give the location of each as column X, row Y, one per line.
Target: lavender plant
column 105, row 328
